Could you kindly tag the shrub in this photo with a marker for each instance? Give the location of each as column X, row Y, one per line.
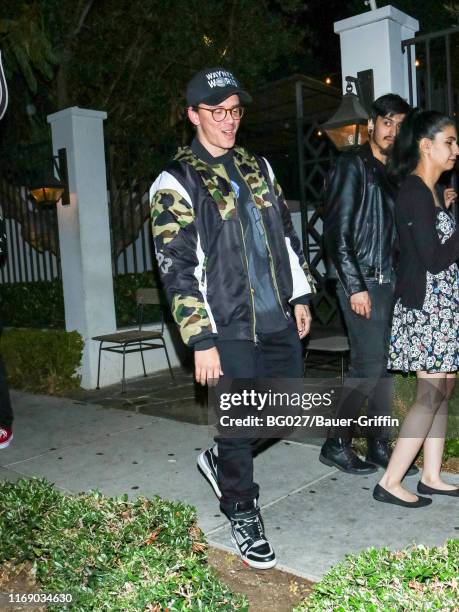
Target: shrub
column 42, row 361
column 451, row 448
column 125, row 287
column 35, row 305
column 41, row 304
column 416, row 578
column 111, row 554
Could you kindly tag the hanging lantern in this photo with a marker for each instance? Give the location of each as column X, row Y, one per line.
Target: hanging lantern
column 348, row 126
column 50, row 190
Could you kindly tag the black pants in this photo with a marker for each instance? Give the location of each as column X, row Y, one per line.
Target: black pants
column 6, row 412
column 369, row 346
column 276, row 355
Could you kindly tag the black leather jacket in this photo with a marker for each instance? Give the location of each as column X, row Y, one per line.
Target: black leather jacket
column 359, row 227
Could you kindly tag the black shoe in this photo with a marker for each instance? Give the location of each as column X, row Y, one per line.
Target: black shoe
column 426, row 490
column 247, row 534
column 207, row 463
column 379, row 453
column 382, row 495
column 338, row 453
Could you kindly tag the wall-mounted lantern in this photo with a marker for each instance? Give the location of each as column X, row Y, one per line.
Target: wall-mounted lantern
column 348, row 126
column 50, row 190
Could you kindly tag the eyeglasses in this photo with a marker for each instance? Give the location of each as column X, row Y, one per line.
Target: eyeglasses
column 219, row 113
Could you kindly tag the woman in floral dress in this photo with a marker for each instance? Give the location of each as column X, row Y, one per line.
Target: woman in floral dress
column 425, row 326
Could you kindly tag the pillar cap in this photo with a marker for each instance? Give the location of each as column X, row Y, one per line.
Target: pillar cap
column 76, row 111
column 385, row 12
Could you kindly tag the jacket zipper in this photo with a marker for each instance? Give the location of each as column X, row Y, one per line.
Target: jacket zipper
column 255, row 339
column 204, row 270
column 254, row 318
column 271, row 264
column 343, row 285
column 380, row 275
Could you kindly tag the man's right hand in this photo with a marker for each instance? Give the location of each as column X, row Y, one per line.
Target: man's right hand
column 207, row 368
column 361, row 303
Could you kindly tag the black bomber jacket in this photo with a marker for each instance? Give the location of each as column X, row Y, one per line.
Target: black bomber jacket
column 359, row 224
column 200, row 246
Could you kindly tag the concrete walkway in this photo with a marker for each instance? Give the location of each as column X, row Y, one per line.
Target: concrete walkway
column 314, row 515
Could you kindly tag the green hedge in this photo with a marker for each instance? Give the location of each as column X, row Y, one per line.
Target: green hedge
column 35, row 305
column 110, row 554
column 41, row 305
column 42, row 361
column 125, row 287
column 415, row 578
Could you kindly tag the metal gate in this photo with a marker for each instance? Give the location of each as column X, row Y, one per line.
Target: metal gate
column 132, row 165
column 437, row 70
column 437, row 79
column 315, row 156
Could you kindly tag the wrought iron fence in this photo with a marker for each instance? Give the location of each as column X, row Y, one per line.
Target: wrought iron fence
column 315, row 157
column 32, row 234
column 437, row 79
column 437, row 70
column 132, row 165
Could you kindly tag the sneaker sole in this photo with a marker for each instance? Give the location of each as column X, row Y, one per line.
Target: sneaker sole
column 330, row 463
column 208, row 475
column 6, row 444
column 254, row 564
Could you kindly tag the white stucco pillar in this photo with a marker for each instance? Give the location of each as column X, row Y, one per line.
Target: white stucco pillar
column 84, row 234
column 374, row 40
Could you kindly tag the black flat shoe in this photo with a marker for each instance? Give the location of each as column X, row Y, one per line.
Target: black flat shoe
column 382, row 495
column 426, row 490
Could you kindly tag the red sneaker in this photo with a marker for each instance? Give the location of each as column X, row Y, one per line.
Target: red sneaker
column 6, row 435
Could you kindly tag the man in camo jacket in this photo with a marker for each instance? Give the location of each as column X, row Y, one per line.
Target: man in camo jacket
column 235, row 276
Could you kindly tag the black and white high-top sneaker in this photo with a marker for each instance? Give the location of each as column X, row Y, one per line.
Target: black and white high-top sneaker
column 248, row 536
column 207, row 463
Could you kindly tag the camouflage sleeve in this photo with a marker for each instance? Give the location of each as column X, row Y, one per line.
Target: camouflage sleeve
column 303, row 281
column 181, row 263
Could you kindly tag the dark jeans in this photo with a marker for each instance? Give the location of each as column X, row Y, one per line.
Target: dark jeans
column 6, row 412
column 277, row 355
column 368, row 377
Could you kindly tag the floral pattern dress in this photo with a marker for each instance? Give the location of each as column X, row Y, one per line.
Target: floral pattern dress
column 428, row 339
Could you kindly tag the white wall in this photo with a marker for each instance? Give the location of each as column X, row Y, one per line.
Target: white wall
column 372, row 40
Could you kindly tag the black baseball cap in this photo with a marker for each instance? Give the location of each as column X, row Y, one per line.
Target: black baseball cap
column 212, row 86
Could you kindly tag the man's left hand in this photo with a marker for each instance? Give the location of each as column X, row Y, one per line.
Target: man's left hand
column 303, row 319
